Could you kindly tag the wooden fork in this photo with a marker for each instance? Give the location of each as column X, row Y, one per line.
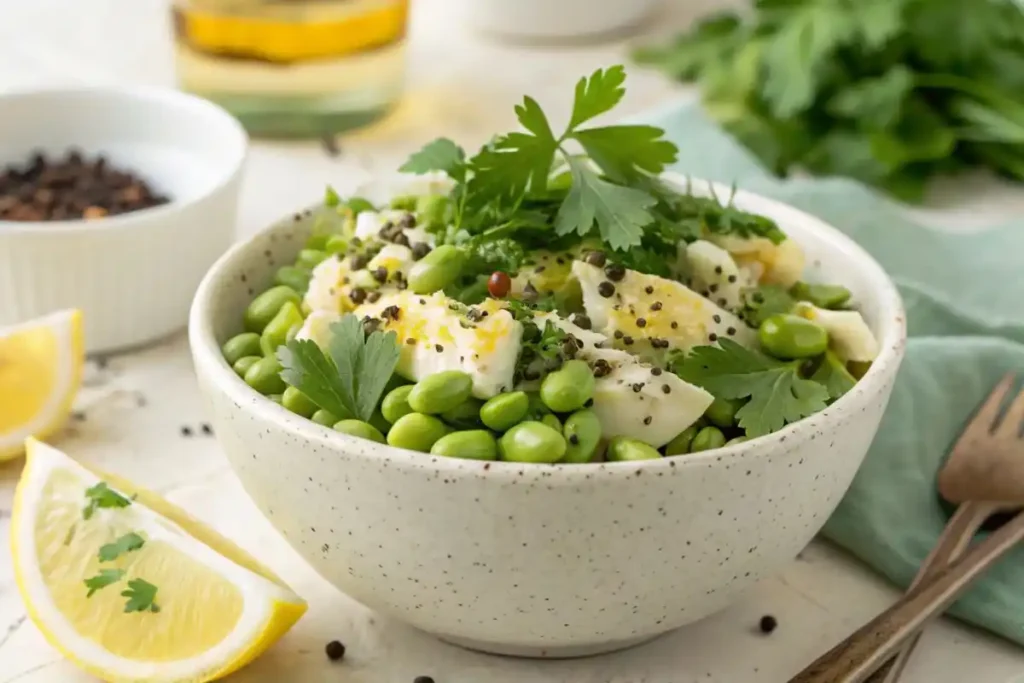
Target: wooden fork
column 985, row 474
column 981, row 433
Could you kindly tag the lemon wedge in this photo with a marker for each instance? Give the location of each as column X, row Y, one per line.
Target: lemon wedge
column 40, row 372
column 131, row 588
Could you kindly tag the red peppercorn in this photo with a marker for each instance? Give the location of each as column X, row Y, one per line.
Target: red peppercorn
column 499, row 284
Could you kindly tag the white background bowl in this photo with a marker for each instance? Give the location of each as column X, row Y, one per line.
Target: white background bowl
column 133, row 275
column 544, row 560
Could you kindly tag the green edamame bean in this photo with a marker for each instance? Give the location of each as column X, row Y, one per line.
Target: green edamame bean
column 735, row 440
column 417, row 432
column 396, row 404
column 789, row 336
column 440, row 392
column 503, row 411
column 297, row 402
column 431, row 209
column 275, row 334
column 245, row 344
column 324, row 417
column 822, row 296
column 264, row 307
column 436, row 270
column 357, row 205
column 582, row 432
column 680, row 443
column 722, row 412
column 551, row 420
column 622, row 448
column 533, row 442
column 466, row 415
column 708, row 438
column 568, row 388
column 265, row 376
column 474, row 444
column 336, row 244
column 378, row 422
column 310, row 258
column 294, row 277
column 276, row 398
column 317, row 241
column 243, row 364
column 405, row 202
column 364, row 430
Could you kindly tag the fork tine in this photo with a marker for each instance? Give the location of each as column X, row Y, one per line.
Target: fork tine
column 989, row 411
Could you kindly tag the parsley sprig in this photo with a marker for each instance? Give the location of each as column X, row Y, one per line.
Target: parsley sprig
column 123, row 545
column 349, row 380
column 104, row 578
column 777, row 394
column 538, row 188
column 141, row 596
column 102, row 496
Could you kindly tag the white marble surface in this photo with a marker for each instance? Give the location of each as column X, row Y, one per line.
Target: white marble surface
column 135, row 405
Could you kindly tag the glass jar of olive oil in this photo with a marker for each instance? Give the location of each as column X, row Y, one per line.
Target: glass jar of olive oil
column 293, row 68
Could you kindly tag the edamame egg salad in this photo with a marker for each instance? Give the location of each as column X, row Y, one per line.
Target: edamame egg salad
column 551, row 299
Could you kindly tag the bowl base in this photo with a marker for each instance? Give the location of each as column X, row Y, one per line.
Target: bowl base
column 557, row 652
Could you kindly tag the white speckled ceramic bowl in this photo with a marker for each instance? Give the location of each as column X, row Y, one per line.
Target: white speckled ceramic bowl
column 542, row 560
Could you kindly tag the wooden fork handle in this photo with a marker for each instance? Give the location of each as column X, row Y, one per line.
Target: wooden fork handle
column 852, row 660
column 955, row 539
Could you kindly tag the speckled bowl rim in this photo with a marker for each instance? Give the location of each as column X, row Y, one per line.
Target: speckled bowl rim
column 892, row 321
column 169, row 98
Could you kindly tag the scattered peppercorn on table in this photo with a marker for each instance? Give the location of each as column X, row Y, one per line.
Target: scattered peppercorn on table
column 140, row 415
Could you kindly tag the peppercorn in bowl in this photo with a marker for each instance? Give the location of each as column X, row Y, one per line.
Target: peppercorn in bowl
column 114, row 201
column 548, row 414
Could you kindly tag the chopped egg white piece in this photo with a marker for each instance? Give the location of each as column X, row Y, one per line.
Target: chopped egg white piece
column 369, row 223
column 780, row 264
column 715, row 275
column 394, row 258
column 848, row 335
column 436, row 334
column 648, row 315
column 635, row 399
column 328, row 286
column 317, row 327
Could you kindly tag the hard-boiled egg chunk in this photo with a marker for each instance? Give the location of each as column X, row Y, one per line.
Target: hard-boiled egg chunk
column 781, row 264
column 328, row 286
column 848, row 335
column 370, row 223
column 436, row 333
column 714, row 274
column 548, row 273
column 648, row 315
column 633, row 398
column 317, row 327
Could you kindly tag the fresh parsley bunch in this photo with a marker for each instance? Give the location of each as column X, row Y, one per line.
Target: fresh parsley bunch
column 889, row 92
column 534, row 188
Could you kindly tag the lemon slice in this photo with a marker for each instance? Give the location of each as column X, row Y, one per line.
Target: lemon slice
column 40, row 372
column 131, row 588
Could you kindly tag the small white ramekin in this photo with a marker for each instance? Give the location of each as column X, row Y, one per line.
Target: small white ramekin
column 132, row 275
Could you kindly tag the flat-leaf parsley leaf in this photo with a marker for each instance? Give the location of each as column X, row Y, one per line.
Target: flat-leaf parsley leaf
column 105, row 578
column 102, row 496
column 141, row 596
column 125, row 544
column 349, row 380
column 776, row 392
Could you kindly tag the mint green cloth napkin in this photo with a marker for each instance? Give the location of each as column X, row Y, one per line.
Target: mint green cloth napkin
column 965, row 303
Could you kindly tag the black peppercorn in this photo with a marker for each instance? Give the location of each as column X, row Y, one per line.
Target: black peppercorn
column 614, row 272
column 596, row 258
column 768, row 624
column 606, row 289
column 335, row 650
